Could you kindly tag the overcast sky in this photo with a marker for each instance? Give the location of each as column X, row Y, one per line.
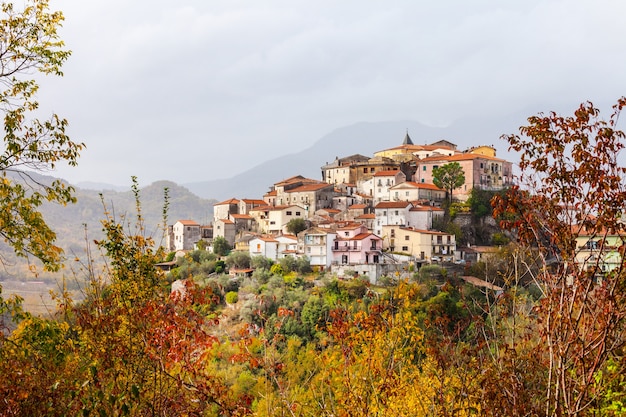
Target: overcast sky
column 198, row 90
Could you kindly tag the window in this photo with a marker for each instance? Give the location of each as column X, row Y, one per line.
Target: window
column 297, row 213
column 422, row 179
column 424, row 168
column 288, row 213
column 435, row 166
column 397, row 212
column 346, row 233
column 272, row 222
column 365, row 170
column 406, row 237
column 371, row 169
column 405, row 248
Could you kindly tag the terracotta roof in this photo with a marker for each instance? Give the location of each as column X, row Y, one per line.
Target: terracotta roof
column 309, row 187
column 387, row 173
column 392, row 204
column 366, row 216
column 460, row 157
column 426, row 208
column 294, row 179
column 271, row 193
column 231, row 201
column 288, row 236
column 188, row 223
column 350, row 226
column 241, row 216
column 423, row 185
column 253, row 201
column 226, row 221
column 362, row 236
column 416, row 148
column 266, row 239
column 427, row 232
column 357, row 207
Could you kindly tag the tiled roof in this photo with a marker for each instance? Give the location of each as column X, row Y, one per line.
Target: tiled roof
column 309, row 187
column 241, row 216
column 460, row 157
column 226, row 221
column 350, row 226
column 254, row 201
column 231, row 201
column 357, row 207
column 426, row 208
column 362, row 236
column 387, row 173
column 188, row 223
column 422, row 231
column 366, row 216
column 423, row 185
column 392, row 204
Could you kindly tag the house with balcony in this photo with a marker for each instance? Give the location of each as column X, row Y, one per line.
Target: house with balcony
column 246, row 204
column 287, row 246
column 310, row 194
column 273, row 219
column 339, row 171
column 413, row 191
column 378, row 186
column 317, row 244
column 423, row 245
column 598, row 251
column 355, row 245
column 481, row 171
column 391, row 213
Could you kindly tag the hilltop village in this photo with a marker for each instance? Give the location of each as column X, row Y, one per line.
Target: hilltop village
column 367, row 215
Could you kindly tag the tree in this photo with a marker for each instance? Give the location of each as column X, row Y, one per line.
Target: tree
column 29, row 42
column 573, row 186
column 295, row 226
column 449, row 177
column 221, row 247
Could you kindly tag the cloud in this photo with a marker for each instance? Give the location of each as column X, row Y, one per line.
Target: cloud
column 195, row 90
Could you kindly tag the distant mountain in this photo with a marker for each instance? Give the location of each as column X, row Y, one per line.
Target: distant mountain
column 360, row 138
column 100, row 186
column 77, row 224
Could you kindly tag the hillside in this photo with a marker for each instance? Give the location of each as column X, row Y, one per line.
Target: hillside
column 76, row 224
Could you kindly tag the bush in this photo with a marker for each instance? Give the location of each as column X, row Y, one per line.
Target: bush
column 232, row 297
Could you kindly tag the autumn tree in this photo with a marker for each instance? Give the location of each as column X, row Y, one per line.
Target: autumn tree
column 572, row 186
column 449, row 177
column 30, row 43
